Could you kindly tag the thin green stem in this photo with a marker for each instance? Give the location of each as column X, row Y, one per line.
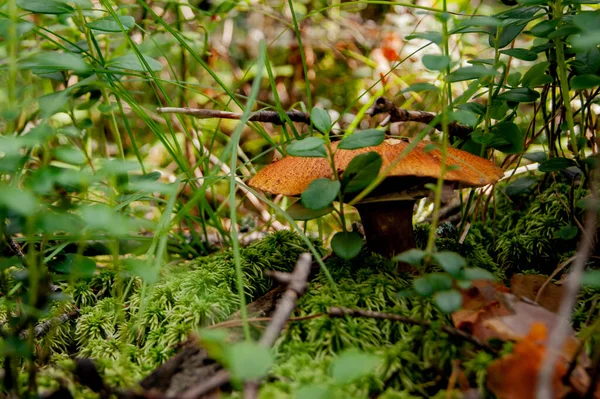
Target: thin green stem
column 302, row 55
column 234, row 143
column 12, row 62
column 563, row 79
column 446, row 104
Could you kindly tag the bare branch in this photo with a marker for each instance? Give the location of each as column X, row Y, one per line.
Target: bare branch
column 384, row 106
column 343, row 312
column 296, row 285
column 260, row 116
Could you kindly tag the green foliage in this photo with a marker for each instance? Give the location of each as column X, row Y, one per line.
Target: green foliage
column 81, row 196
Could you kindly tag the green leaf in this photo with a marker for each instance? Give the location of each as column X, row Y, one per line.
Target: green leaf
column 582, row 82
column 473, row 107
column 346, row 244
column 448, row 301
column 555, row 164
column 567, row 232
column 533, row 76
column 18, row 201
column 320, row 120
column 421, row 86
column 508, row 138
column 422, row 286
column 248, row 361
column 519, row 95
column 468, row 73
column 52, row 103
column 320, row 193
column 308, row 147
column 477, row 273
column 77, row 265
column 434, row 37
column 56, row 61
column 519, row 186
column 591, row 278
column 435, row 62
column 297, row 211
column 465, row 117
column 45, row 6
column 480, row 21
column 450, row 261
column 508, row 33
column 513, row 79
column 585, row 41
column 431, row 283
column 215, row 341
column 362, row 139
column 353, row 364
column 412, row 257
column 521, row 54
column 110, row 24
column 537, row 156
column 71, row 155
column 133, row 63
column 361, row 171
column 544, row 28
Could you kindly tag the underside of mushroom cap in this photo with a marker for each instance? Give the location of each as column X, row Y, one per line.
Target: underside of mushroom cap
column 292, row 175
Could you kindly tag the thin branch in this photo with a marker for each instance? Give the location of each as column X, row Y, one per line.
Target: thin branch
column 382, row 106
column 261, row 116
column 296, row 285
column 560, row 332
column 343, row 312
column 238, row 323
column 44, row 327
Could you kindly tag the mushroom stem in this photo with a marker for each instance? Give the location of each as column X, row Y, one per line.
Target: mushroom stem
column 388, row 226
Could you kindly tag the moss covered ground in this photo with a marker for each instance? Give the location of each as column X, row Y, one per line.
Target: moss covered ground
column 131, row 330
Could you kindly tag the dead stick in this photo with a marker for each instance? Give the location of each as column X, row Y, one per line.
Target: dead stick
column 260, row 116
column 384, row 106
column 296, row 285
column 343, row 312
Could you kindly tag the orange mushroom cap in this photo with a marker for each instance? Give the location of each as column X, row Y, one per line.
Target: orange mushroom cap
column 291, row 175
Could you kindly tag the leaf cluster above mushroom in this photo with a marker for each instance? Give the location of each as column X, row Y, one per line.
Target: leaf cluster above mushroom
column 386, row 213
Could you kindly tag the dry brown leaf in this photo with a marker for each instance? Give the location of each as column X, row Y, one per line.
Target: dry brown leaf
column 528, row 286
column 514, row 376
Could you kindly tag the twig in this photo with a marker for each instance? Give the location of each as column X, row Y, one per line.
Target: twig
column 343, row 312
column 560, row 332
column 296, row 285
column 16, row 248
column 238, row 323
column 383, row 105
column 44, row 327
column 260, row 116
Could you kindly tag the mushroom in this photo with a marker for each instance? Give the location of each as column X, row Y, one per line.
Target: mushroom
column 386, row 213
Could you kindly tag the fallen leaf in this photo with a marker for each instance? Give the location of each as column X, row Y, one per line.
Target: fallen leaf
column 528, row 286
column 514, row 376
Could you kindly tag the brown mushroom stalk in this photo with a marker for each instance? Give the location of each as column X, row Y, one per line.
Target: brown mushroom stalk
column 388, row 226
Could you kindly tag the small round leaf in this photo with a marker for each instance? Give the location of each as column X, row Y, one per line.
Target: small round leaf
column 362, row 139
column 448, row 301
column 320, row 193
column 346, row 244
column 320, row 120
